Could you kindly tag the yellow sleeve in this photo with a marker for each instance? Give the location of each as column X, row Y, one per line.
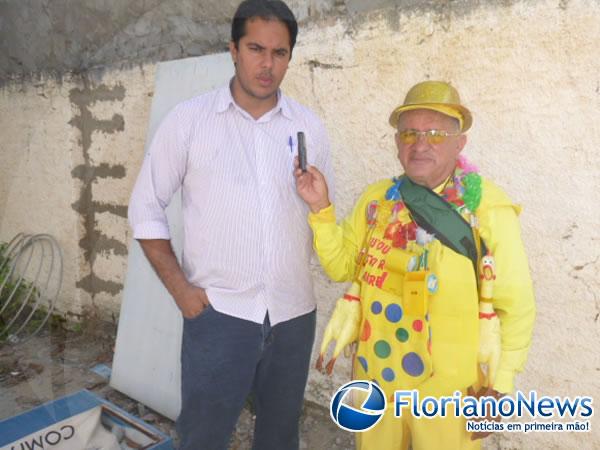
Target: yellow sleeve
column 513, row 290
column 337, row 246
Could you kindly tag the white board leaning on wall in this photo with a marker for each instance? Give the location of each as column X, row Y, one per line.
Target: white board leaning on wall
column 147, row 364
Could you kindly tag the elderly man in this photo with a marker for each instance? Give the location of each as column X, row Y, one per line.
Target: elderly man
column 435, row 257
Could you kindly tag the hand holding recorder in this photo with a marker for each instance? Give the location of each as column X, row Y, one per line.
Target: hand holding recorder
column 310, row 183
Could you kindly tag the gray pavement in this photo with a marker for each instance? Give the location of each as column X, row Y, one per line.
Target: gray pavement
column 58, row 363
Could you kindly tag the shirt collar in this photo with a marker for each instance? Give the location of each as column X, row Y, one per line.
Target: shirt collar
column 284, row 104
column 440, row 187
column 225, row 101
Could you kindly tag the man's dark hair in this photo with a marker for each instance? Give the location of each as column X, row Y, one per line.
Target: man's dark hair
column 266, row 10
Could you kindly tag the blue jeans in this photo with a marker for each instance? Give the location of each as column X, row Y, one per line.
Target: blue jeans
column 223, row 359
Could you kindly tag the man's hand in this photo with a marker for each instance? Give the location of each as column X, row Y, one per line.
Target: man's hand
column 484, row 392
column 192, row 301
column 312, row 187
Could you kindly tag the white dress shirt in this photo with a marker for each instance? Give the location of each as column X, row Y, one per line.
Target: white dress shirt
column 246, row 236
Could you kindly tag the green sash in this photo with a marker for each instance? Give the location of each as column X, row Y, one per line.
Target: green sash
column 436, row 216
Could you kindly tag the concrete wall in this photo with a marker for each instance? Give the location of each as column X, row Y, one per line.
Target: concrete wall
column 72, row 145
column 58, row 36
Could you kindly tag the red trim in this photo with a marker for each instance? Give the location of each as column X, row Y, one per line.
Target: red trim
column 487, row 315
column 351, row 298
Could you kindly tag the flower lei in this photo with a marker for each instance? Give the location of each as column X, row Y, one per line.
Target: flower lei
column 463, row 192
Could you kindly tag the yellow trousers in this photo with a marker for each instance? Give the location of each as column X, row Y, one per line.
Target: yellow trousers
column 402, row 433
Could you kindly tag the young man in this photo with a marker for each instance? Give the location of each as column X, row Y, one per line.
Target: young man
column 424, row 297
column 244, row 288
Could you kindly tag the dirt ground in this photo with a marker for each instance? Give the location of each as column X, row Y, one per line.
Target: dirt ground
column 59, row 362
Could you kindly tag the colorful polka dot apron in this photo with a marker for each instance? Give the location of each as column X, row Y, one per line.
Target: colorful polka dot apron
column 395, row 338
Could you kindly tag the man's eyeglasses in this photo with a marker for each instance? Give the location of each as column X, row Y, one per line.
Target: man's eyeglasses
column 433, row 137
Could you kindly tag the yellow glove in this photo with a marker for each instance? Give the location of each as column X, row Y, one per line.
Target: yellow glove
column 490, row 342
column 343, row 327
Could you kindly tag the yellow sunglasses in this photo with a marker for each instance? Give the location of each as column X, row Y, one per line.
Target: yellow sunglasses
column 433, row 137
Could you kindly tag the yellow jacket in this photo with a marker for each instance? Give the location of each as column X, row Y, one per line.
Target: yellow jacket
column 446, row 339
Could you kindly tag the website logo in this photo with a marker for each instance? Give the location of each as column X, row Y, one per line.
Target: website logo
column 347, row 416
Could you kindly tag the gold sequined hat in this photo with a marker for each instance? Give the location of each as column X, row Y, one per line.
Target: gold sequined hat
column 437, row 96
